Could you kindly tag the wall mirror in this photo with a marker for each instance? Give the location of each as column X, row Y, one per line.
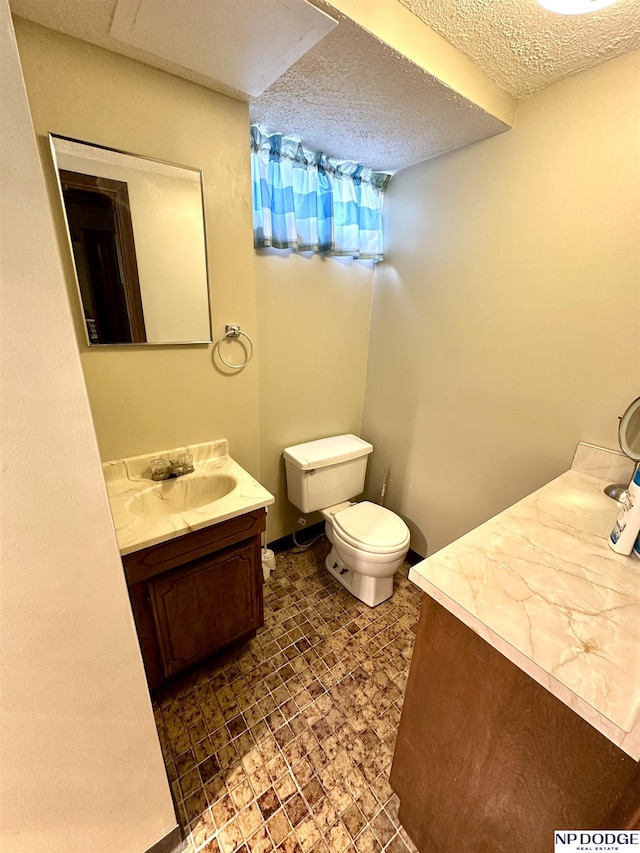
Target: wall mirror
column 136, row 230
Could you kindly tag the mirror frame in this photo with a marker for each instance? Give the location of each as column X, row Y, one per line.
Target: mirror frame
column 57, row 169
column 631, row 410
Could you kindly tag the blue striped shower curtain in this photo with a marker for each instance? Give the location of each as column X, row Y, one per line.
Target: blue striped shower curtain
column 307, row 202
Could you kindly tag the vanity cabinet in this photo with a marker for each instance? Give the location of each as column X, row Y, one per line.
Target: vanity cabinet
column 488, row 760
column 193, row 595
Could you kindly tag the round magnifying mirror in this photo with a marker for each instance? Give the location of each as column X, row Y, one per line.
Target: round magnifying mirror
column 629, row 438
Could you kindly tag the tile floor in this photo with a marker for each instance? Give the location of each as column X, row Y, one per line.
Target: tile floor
column 286, row 742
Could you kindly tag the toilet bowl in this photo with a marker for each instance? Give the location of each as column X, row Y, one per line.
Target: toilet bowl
column 369, row 542
column 369, row 545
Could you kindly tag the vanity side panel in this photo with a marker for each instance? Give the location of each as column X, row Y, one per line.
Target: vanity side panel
column 626, row 812
column 486, row 759
column 147, row 634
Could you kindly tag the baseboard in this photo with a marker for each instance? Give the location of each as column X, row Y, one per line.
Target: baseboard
column 413, row 557
column 172, row 842
column 285, row 543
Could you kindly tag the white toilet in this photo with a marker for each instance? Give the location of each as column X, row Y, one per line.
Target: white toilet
column 369, row 542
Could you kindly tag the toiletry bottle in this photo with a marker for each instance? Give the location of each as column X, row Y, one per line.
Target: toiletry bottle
column 626, row 529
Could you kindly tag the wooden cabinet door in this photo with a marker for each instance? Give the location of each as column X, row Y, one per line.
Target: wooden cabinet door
column 206, row 605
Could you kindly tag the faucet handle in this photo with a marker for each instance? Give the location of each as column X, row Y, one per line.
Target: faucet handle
column 160, row 469
column 182, row 465
column 185, row 462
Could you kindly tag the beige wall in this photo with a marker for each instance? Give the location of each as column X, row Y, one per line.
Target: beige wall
column 505, row 320
column 81, row 764
column 308, row 316
column 146, row 399
column 313, row 325
column 494, row 324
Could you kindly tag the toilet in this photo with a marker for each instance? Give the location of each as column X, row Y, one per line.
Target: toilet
column 369, row 543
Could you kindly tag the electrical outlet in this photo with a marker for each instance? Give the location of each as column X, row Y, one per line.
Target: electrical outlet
column 302, row 521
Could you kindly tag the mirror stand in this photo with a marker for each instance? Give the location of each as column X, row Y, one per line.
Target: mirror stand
column 617, row 491
column 629, row 440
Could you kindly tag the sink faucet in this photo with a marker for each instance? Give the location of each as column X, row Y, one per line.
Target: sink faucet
column 182, row 465
column 161, row 469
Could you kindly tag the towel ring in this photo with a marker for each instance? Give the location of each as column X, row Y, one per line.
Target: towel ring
column 234, row 331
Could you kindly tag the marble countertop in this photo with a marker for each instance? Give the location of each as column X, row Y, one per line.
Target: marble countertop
column 129, row 479
column 540, row 583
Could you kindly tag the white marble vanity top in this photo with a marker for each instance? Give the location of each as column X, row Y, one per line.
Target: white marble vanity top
column 540, row 584
column 128, row 480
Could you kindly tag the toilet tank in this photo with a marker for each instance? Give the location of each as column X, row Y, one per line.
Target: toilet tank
column 325, row 472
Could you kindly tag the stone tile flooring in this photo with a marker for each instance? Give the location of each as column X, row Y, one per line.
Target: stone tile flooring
column 286, row 742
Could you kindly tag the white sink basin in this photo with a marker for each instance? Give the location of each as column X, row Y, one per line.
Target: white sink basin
column 147, row 513
column 171, row 497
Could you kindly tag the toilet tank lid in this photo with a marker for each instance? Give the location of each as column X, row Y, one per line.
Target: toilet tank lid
column 326, row 451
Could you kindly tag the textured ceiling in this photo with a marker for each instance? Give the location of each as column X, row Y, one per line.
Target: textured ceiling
column 356, row 97
column 523, row 47
column 353, row 96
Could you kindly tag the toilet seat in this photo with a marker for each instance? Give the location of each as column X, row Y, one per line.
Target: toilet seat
column 372, row 528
